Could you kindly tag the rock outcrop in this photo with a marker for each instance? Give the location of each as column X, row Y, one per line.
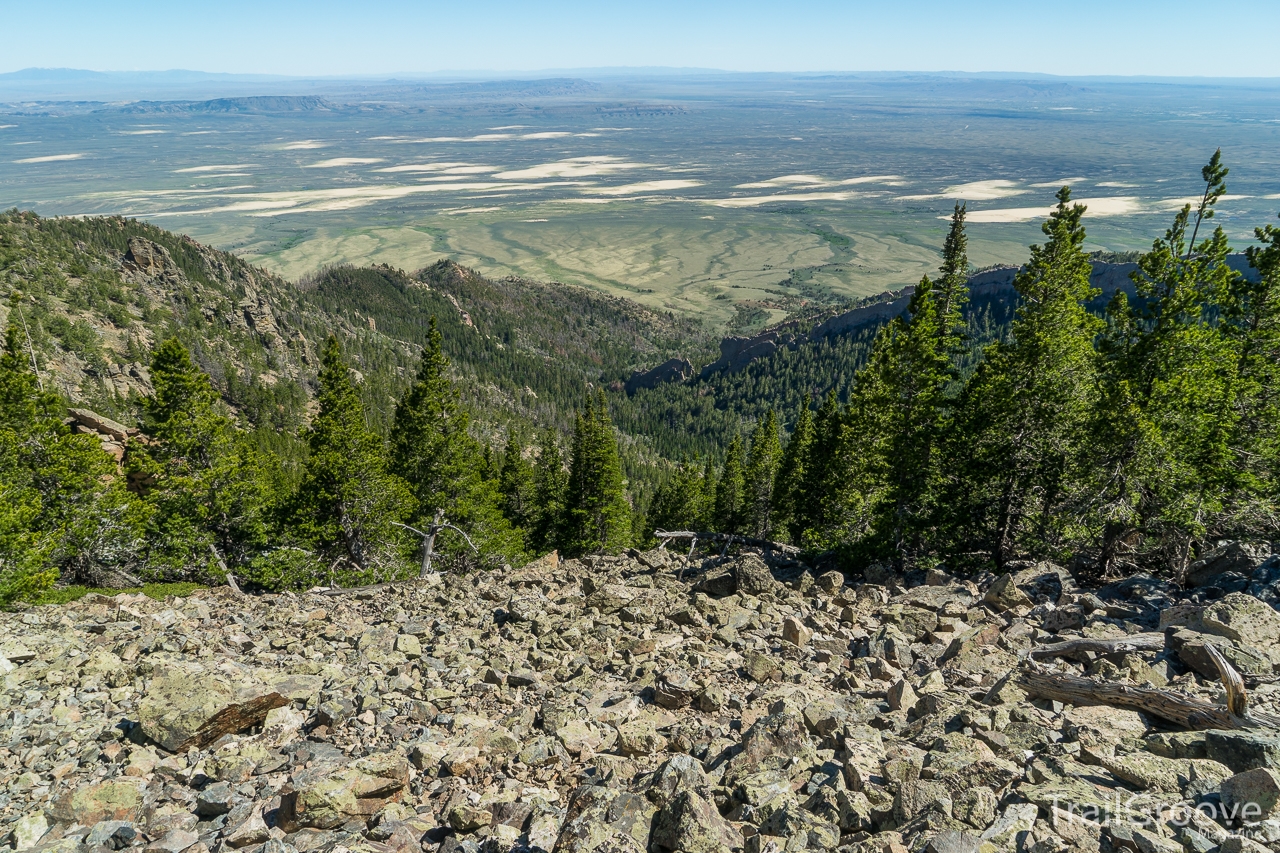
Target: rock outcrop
column 639, row 703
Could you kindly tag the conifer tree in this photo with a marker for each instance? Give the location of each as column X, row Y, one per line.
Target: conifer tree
column 824, row 480
column 550, row 482
column 730, row 508
column 209, row 490
column 762, row 469
column 516, row 484
column 706, row 517
column 444, row 466
column 951, row 291
column 1022, row 416
column 789, row 485
column 597, row 516
column 678, row 502
column 1169, row 403
column 63, row 509
column 347, row 502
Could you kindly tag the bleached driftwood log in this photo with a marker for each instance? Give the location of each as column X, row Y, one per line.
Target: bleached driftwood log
column 1178, row 708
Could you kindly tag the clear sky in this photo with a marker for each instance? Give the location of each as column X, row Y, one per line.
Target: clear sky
column 1228, row 38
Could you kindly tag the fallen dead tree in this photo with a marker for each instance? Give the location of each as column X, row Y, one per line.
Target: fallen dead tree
column 1178, row 708
column 729, row 540
column 1088, row 647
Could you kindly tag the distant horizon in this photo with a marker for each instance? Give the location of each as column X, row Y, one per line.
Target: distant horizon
column 332, row 39
column 623, row 70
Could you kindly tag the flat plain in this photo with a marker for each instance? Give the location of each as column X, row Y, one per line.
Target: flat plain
column 737, row 198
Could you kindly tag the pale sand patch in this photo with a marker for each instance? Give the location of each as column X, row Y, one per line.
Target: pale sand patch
column 755, row 201
column 50, row 158
column 481, row 137
column 1056, row 184
column 139, row 132
column 535, row 220
column 870, row 179
column 511, row 127
column 648, row 187
column 1117, row 184
column 303, row 144
column 785, row 180
column 1273, row 195
column 200, row 132
column 346, row 198
column 343, row 161
column 574, row 167
column 1110, row 206
column 972, row 191
column 457, row 168
column 546, row 134
column 1167, row 204
column 220, row 168
column 470, row 210
column 6, row 126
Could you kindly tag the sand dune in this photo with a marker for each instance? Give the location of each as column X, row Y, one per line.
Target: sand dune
column 648, row 187
column 574, row 167
column 337, row 162
column 219, row 168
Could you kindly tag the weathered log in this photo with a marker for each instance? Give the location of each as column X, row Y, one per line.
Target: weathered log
column 1178, row 708
column 728, row 538
column 1089, row 645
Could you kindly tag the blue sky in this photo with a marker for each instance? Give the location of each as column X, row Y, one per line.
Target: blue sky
column 320, row 37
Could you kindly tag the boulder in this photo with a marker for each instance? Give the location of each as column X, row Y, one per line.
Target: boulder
column 1004, row 594
column 689, row 823
column 1238, row 557
column 1247, row 621
column 112, row 799
column 753, row 575
column 327, row 797
column 606, row 820
column 1252, row 795
column 182, row 709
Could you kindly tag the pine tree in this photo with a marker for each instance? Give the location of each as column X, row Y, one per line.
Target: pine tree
column 789, row 485
column 445, row 467
column 550, row 483
column 209, row 489
column 679, row 501
column 762, row 469
column 64, row 511
column 1168, row 409
column 516, row 483
column 597, row 516
column 347, row 503
column 1022, row 416
column 951, row 291
column 730, row 514
column 824, row 480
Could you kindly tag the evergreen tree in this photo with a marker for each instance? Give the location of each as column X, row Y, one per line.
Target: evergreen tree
column 347, row 503
column 64, row 510
column 730, row 514
column 679, row 501
column 550, row 483
column 516, row 483
column 762, row 470
column 209, row 490
column 951, row 291
column 444, row 466
column 706, row 515
column 1168, row 408
column 597, row 516
column 823, row 485
column 789, row 485
column 1023, row 414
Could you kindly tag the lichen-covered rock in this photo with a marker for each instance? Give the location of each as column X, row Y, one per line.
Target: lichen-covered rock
column 184, row 708
column 691, row 824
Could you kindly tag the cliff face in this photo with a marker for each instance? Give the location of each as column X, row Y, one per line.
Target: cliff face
column 639, row 703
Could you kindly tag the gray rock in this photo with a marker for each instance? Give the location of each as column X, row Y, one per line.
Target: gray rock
column 1244, row 750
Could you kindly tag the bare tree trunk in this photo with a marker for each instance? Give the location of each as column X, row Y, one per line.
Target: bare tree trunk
column 429, row 543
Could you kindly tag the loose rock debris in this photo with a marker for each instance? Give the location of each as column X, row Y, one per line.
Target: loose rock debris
column 641, row 703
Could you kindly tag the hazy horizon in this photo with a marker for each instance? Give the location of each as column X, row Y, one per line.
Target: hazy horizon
column 331, row 39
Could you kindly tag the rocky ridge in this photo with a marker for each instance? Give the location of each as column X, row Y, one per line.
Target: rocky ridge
column 640, row 703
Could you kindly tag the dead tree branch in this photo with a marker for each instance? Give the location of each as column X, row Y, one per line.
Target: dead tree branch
column 1089, row 645
column 429, row 539
column 1179, row 708
column 729, row 539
